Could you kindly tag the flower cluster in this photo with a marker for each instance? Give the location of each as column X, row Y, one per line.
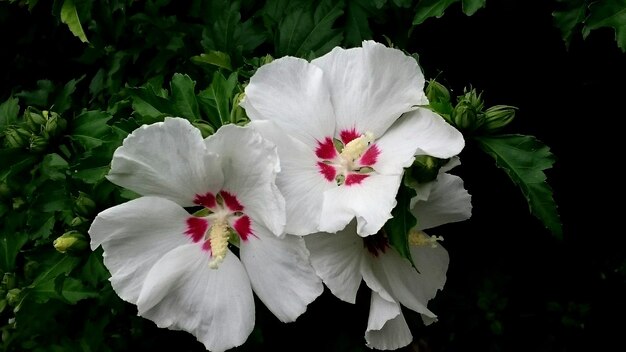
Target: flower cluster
column 297, row 197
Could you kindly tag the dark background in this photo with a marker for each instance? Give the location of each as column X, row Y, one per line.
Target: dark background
column 512, row 286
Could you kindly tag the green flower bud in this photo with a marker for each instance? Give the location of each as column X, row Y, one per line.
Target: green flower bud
column 77, row 221
column 38, row 144
column 13, row 297
column 16, row 137
column 9, row 280
column 55, row 124
column 34, row 118
column 71, row 241
column 436, row 92
column 238, row 114
column 266, row 59
column 18, row 202
column 496, row 117
column 84, row 204
column 425, row 168
column 205, row 128
column 468, row 114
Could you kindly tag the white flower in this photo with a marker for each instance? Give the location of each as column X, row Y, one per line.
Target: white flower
column 346, row 124
column 176, row 267
column 343, row 259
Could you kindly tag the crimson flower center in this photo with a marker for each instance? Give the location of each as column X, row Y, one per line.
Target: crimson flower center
column 348, row 160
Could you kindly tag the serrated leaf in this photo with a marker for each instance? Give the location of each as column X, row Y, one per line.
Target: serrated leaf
column 184, row 97
column 524, row 158
column 38, row 97
column 216, row 100
column 63, row 100
column 471, row 6
column 10, row 245
column 149, row 105
column 53, row 167
column 214, row 58
column 357, row 23
column 69, row 16
column 309, row 29
column 609, row 13
column 91, row 129
column 73, row 290
column 8, row 112
column 566, row 19
column 402, row 221
column 56, row 264
column 94, row 272
column 430, row 8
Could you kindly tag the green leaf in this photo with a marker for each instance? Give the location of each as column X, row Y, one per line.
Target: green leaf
column 566, row 19
column 309, row 29
column 73, row 290
column 214, row 58
column 63, row 100
column 69, row 16
column 402, row 221
column 357, row 23
column 608, row 13
column 184, row 97
column 524, row 158
column 471, row 6
column 430, row 8
column 90, row 128
column 54, row 265
column 8, row 112
column 147, row 104
column 38, row 97
column 94, row 272
column 54, row 167
column 10, row 245
column 216, row 100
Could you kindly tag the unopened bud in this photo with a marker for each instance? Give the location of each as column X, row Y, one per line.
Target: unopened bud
column 77, row 221
column 54, row 124
column 34, row 118
column 266, row 59
column 496, row 117
column 468, row 114
column 13, row 297
column 16, row 137
column 436, row 92
column 18, row 202
column 238, row 114
column 84, row 204
column 425, row 168
column 205, row 128
column 38, row 144
column 9, row 281
column 71, row 241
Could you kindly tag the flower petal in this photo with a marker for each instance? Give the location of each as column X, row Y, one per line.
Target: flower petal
column 250, row 165
column 166, row 159
column 432, row 264
column 181, row 292
column 370, row 200
column 420, row 132
column 448, row 202
column 409, row 287
column 292, row 93
column 280, row 273
column 386, row 327
column 134, row 236
column 337, row 260
column 371, row 86
column 299, row 180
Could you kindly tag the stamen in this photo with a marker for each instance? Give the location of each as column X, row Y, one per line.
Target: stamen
column 419, row 238
column 356, row 147
column 218, row 236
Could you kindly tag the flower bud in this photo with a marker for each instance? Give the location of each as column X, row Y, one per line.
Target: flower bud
column 16, row 137
column 38, row 144
column 436, row 91
column 468, row 114
column 77, row 221
column 496, row 117
column 13, row 297
column 84, row 204
column 238, row 114
column 9, row 281
column 54, row 124
column 266, row 59
column 71, row 241
column 34, row 118
column 425, row 168
column 205, row 128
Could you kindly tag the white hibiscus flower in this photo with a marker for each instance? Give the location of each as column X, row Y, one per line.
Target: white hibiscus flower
column 177, row 267
column 343, row 259
column 346, row 124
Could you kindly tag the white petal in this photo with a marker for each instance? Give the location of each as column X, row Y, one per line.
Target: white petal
column 166, row 159
column 386, row 327
column 447, row 202
column 371, row 201
column 337, row 260
column 432, row 264
column 436, row 137
column 299, row 180
column 181, row 292
column 409, row 287
column 280, row 272
column 371, row 86
column 292, row 93
column 134, row 235
column 250, row 165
